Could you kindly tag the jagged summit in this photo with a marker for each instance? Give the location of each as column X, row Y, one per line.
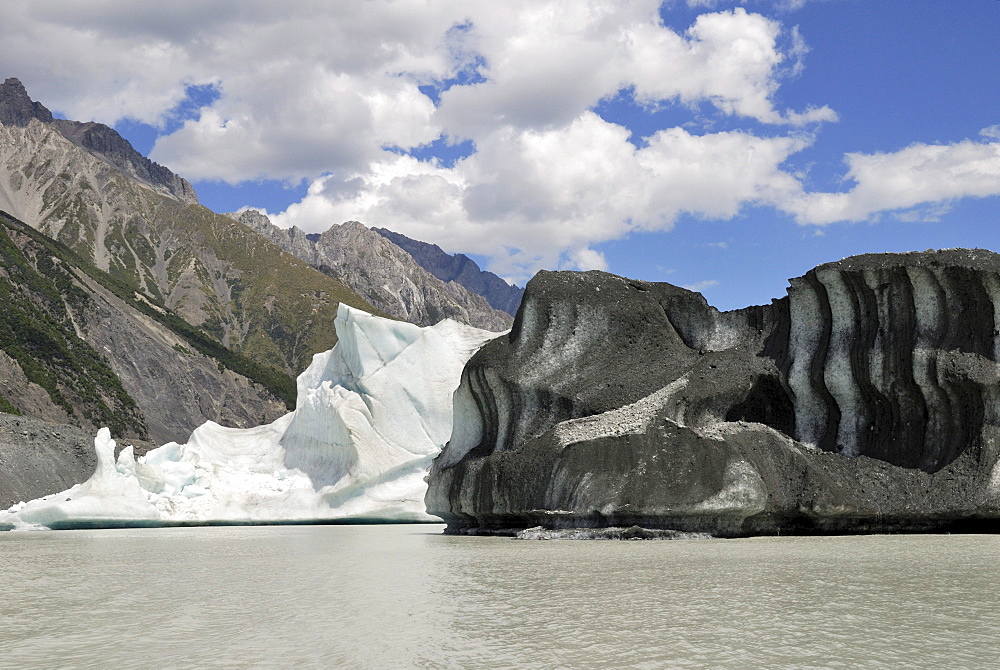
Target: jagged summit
column 460, row 269
column 381, row 272
column 17, row 109
column 106, row 143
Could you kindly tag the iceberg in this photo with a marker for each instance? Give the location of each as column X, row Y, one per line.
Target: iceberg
column 371, row 415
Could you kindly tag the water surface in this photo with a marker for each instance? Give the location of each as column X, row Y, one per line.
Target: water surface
column 408, row 596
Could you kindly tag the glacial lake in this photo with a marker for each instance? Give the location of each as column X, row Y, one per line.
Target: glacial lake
column 407, row 596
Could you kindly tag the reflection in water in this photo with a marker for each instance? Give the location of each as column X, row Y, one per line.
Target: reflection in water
column 406, row 596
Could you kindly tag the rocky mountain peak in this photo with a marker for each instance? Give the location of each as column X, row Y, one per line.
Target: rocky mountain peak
column 349, row 230
column 460, row 269
column 16, row 108
column 255, row 220
column 381, row 272
column 105, row 143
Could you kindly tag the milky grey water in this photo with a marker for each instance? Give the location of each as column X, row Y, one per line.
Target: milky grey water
column 407, row 596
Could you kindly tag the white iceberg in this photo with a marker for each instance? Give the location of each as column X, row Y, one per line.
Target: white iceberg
column 371, row 414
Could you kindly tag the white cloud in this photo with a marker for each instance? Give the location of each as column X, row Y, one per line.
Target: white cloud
column 790, row 5
column 991, row 132
column 310, row 88
column 783, row 5
column 587, row 259
column 306, row 88
column 547, row 62
column 322, row 90
column 730, row 58
column 335, row 126
column 914, row 177
column 700, row 286
column 329, row 92
column 533, row 199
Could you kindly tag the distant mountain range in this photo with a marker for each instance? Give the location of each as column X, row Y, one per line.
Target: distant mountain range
column 382, row 273
column 131, row 305
column 459, row 269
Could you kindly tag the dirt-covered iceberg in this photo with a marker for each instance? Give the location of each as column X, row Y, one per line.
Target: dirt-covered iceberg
column 867, row 400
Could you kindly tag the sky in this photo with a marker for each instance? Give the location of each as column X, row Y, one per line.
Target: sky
column 722, row 146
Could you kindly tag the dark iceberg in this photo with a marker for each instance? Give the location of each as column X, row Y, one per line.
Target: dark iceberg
column 866, row 400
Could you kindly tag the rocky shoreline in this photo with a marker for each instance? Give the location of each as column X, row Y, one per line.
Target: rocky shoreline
column 38, row 458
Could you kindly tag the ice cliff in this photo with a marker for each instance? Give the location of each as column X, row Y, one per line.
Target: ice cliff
column 371, row 415
column 868, row 399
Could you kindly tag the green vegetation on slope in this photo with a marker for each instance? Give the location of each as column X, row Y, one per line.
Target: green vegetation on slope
column 209, row 278
column 285, row 308
column 7, row 408
column 38, row 333
column 277, row 382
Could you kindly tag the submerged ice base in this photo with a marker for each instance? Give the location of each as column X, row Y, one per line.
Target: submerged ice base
column 371, row 415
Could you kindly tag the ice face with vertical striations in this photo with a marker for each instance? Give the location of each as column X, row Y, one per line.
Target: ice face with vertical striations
column 371, row 415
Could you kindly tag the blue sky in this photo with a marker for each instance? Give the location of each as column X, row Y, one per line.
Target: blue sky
column 720, row 145
column 896, row 73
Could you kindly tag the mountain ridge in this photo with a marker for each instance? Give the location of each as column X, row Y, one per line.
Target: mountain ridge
column 460, row 269
column 381, row 272
column 168, row 373
column 17, row 109
column 214, row 273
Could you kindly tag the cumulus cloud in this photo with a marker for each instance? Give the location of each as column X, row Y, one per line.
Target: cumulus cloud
column 331, row 92
column 729, row 58
column 548, row 178
column 543, row 198
column 543, row 64
column 313, row 87
column 339, row 93
column 587, row 259
column 991, row 132
column 919, row 175
column 784, row 5
column 304, row 88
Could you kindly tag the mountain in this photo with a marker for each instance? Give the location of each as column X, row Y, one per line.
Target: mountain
column 78, row 347
column 863, row 401
column 459, row 269
column 105, row 142
column 18, row 110
column 381, row 272
column 84, row 186
column 47, row 367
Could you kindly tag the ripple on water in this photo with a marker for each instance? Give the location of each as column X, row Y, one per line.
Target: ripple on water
column 407, row 596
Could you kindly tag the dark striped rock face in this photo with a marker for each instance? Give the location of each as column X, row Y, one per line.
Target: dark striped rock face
column 866, row 400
